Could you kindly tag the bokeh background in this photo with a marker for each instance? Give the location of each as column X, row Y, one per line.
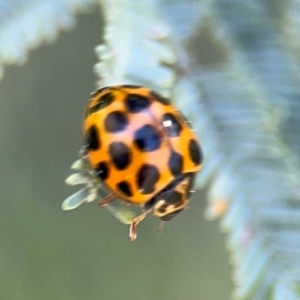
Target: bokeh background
column 46, row 253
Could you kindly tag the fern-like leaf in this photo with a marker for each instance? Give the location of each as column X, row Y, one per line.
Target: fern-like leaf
column 244, row 105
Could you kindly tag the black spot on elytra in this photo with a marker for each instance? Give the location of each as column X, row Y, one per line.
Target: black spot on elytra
column 115, row 122
column 175, row 163
column 161, row 99
column 171, row 125
column 131, row 86
column 120, row 155
column 147, row 139
column 92, row 138
column 102, row 102
column 125, row 188
column 102, row 170
column 136, row 103
column 195, row 152
column 147, row 177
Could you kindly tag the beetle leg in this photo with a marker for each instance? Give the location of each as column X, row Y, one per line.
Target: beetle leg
column 105, row 201
column 135, row 222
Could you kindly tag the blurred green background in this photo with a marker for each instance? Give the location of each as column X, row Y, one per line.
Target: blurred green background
column 46, row 253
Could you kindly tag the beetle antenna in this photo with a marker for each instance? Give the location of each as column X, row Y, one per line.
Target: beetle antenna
column 161, row 227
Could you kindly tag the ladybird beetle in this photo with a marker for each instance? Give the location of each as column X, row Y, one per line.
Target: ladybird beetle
column 142, row 149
